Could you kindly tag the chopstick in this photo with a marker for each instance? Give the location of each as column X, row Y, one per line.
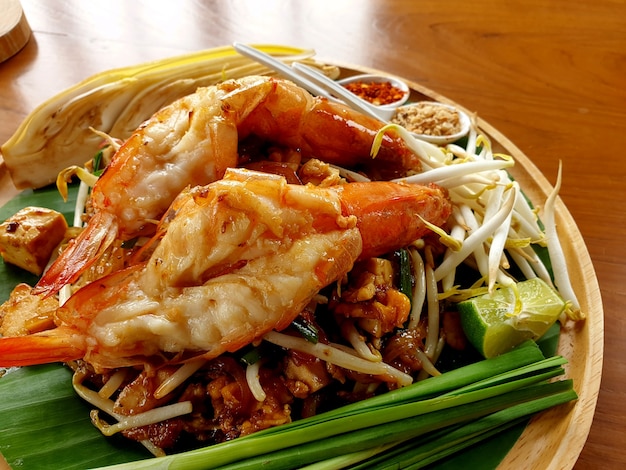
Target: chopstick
column 341, row 92
column 281, row 68
column 313, row 81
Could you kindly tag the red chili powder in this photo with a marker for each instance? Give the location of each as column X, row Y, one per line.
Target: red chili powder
column 378, row 93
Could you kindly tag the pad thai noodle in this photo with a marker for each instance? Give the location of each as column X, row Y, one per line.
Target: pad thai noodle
column 253, row 255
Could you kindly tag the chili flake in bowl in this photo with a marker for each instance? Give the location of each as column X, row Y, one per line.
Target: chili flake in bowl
column 434, row 122
column 378, row 90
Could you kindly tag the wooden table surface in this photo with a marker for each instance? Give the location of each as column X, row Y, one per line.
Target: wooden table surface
column 548, row 74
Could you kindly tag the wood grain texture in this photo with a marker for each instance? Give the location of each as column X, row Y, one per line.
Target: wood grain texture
column 547, row 74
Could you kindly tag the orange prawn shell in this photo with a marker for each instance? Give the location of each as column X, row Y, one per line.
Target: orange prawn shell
column 392, row 215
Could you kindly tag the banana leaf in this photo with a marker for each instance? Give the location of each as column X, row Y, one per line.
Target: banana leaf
column 44, row 425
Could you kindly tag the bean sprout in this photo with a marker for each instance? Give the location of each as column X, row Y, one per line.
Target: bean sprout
column 338, row 356
column 254, row 382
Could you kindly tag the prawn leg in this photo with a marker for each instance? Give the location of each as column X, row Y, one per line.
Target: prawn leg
column 84, row 251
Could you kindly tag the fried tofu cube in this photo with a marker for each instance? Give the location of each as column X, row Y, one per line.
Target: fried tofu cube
column 28, row 238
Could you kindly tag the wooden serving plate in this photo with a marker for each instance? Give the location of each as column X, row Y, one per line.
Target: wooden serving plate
column 555, row 438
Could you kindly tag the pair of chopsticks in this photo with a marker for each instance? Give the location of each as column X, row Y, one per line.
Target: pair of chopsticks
column 313, row 81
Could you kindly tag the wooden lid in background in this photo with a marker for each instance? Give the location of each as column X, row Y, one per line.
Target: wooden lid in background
column 14, row 29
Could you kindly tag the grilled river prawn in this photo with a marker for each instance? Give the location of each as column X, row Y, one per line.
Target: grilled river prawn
column 234, row 262
column 238, row 258
column 195, row 139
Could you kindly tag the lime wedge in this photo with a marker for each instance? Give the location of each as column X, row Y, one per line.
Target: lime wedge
column 497, row 323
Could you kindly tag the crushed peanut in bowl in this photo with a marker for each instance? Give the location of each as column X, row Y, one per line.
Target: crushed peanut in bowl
column 434, row 122
column 425, row 118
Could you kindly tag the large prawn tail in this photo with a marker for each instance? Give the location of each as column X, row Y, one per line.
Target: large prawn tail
column 393, row 214
column 80, row 254
column 56, row 345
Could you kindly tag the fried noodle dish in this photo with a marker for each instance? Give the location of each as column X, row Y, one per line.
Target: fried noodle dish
column 253, row 255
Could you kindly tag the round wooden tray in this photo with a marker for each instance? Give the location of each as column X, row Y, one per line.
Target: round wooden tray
column 553, row 439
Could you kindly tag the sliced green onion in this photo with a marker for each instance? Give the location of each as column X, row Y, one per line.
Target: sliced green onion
column 405, row 272
column 306, row 329
column 252, row 356
column 97, row 160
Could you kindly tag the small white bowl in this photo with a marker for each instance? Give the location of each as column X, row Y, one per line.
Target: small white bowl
column 464, row 122
column 371, row 78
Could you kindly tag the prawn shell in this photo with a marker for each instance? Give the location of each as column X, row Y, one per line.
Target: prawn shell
column 392, row 215
column 56, row 345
